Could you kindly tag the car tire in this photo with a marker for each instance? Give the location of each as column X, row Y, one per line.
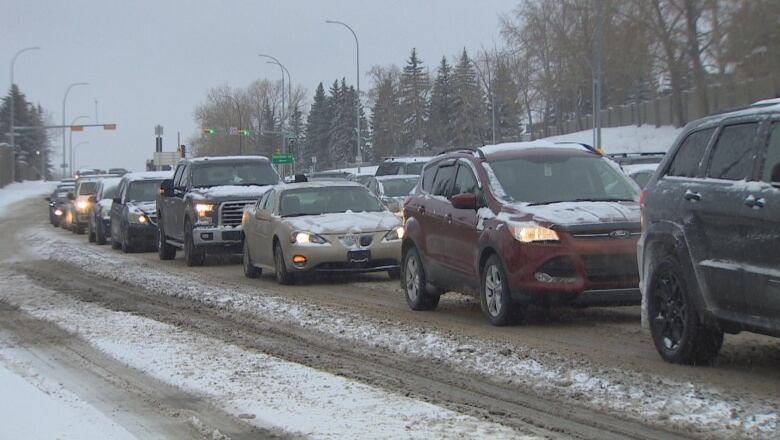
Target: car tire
column 124, row 242
column 79, row 229
column 250, row 271
column 495, row 295
column 415, row 284
column 100, row 235
column 90, row 233
column 192, row 255
column 282, row 276
column 165, row 250
column 678, row 333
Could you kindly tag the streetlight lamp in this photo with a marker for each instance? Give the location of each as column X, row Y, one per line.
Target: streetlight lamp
column 64, row 100
column 489, row 87
column 357, row 105
column 240, row 128
column 70, row 141
column 13, row 103
column 284, row 115
column 75, row 149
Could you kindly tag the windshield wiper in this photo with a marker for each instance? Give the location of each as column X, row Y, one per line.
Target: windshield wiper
column 300, row 214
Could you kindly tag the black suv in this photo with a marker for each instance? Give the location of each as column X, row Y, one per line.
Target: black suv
column 709, row 255
column 200, row 209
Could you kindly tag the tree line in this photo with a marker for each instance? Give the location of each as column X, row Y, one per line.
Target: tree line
column 33, row 147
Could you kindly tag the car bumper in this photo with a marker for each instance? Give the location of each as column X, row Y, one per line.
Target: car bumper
column 335, row 257
column 142, row 234
column 218, row 238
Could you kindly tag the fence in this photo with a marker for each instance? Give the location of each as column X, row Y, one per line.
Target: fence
column 661, row 111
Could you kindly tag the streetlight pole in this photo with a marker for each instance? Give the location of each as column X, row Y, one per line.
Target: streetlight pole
column 489, row 87
column 70, row 141
column 13, row 103
column 284, row 115
column 64, row 101
column 357, row 79
column 75, row 148
column 240, row 128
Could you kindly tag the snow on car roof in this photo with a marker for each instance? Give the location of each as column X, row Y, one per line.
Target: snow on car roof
column 148, row 175
column 519, row 146
column 319, row 184
column 221, row 158
column 397, row 177
column 408, row 159
column 763, row 102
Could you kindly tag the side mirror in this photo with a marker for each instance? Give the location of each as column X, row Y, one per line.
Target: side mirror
column 774, row 178
column 117, row 200
column 166, row 188
column 71, row 196
column 92, row 199
column 263, row 214
column 464, row 201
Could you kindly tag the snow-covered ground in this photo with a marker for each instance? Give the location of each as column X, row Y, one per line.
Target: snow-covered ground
column 645, row 397
column 18, row 191
column 627, row 139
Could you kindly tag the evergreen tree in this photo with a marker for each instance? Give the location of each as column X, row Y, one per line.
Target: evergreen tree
column 441, row 124
column 295, row 142
column 318, row 127
column 32, row 146
column 470, row 123
column 386, row 119
column 413, row 102
column 269, row 131
column 505, row 95
column 341, row 138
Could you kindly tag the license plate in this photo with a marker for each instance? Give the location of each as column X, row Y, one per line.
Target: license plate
column 357, row 257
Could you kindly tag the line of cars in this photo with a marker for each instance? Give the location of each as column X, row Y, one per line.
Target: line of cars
column 513, row 224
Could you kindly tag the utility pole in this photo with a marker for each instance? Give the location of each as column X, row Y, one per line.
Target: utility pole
column 599, row 76
column 359, row 158
column 13, row 109
column 70, row 141
column 64, row 101
column 97, row 121
column 283, row 115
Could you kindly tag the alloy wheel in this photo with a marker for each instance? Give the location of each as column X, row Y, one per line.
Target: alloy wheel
column 671, row 316
column 412, row 278
column 494, row 290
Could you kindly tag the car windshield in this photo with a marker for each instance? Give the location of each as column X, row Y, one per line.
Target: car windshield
column 398, row 187
column 234, row 173
column 143, row 190
column 87, row 188
column 414, row 167
column 327, row 200
column 109, row 192
column 555, row 179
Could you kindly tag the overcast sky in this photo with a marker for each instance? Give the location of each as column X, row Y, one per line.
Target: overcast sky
column 151, row 62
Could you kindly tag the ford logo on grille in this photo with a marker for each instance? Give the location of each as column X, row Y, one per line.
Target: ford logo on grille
column 620, row 233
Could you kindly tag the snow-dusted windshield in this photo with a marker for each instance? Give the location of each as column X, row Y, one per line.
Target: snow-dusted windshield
column 327, row 200
column 87, row 188
column 554, row 179
column 234, row 173
column 398, row 187
column 143, row 190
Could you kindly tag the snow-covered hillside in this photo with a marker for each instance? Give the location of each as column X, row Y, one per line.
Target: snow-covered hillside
column 627, row 139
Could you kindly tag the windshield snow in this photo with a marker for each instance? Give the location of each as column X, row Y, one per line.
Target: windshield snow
column 234, row 173
column 327, row 200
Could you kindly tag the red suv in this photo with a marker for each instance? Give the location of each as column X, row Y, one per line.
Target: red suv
column 521, row 223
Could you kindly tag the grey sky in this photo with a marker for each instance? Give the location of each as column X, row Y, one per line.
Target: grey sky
column 151, row 62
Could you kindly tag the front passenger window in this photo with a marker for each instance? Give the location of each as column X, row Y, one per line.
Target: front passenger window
column 464, row 181
column 772, row 158
column 443, row 179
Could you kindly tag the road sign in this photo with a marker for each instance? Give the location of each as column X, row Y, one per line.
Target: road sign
column 281, row 158
column 76, row 128
column 109, row 126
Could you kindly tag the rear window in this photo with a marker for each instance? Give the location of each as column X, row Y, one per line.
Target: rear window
column 414, row 167
column 441, row 183
column 733, row 155
column 689, row 155
column 143, row 190
column 398, row 187
column 388, row 169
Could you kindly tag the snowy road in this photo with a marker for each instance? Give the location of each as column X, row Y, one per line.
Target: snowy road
column 355, row 354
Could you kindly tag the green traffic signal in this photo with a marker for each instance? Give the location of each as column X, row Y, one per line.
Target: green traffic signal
column 244, row 132
column 209, row 131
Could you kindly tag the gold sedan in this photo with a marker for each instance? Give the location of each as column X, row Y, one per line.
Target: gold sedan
column 320, row 227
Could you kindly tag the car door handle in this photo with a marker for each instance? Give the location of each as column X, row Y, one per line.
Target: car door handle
column 692, row 196
column 448, row 217
column 752, row 202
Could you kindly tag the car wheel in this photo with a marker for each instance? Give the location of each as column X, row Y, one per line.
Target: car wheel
column 100, row 235
column 495, row 296
column 677, row 332
column 192, row 255
column 250, row 271
column 282, row 276
column 164, row 250
column 415, row 284
column 90, row 233
column 124, row 242
column 115, row 244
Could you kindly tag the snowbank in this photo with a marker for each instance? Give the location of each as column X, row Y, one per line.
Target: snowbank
column 627, row 139
column 19, row 191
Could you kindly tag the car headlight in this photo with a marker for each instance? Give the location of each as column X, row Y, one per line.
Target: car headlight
column 396, row 233
column 303, row 237
column 530, row 233
column 58, row 212
column 137, row 218
column 82, row 205
column 204, row 209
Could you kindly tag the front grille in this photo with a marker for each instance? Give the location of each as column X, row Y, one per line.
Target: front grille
column 618, row 234
column 610, row 267
column 230, row 213
column 352, row 240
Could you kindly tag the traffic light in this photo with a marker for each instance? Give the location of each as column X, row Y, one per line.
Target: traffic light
column 244, row 132
column 209, row 131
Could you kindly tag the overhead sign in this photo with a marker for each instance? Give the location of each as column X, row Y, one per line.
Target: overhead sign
column 109, row 126
column 281, row 158
column 76, row 128
column 170, row 158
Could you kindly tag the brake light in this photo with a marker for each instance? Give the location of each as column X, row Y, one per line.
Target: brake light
column 642, row 200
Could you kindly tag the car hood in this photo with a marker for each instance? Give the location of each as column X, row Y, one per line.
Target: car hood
column 344, row 222
column 230, row 192
column 575, row 213
column 148, row 207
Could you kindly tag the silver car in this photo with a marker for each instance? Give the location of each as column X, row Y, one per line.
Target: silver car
column 393, row 189
column 320, row 227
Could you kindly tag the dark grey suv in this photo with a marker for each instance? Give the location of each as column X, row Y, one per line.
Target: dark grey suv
column 709, row 255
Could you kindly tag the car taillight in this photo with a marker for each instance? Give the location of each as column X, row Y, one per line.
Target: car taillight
column 642, row 200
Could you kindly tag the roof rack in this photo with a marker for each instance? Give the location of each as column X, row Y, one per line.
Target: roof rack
column 648, row 153
column 582, row 144
column 476, row 151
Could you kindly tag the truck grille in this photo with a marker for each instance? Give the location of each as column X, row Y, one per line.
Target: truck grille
column 230, row 213
column 610, row 267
